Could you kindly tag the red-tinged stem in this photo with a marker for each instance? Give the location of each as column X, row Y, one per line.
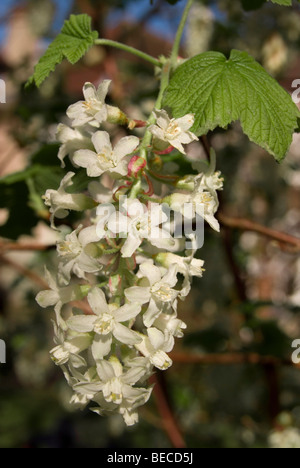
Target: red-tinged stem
column 127, row 186
column 169, row 422
column 150, row 186
column 164, row 177
column 167, row 151
column 139, row 123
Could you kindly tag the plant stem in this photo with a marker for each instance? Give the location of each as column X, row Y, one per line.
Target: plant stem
column 130, row 50
column 165, row 78
column 146, row 141
column 175, row 50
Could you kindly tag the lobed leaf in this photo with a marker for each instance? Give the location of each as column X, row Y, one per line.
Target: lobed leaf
column 219, row 91
column 72, row 43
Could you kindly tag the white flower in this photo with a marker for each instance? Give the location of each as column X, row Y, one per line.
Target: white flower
column 155, row 288
column 93, row 109
column 112, row 381
column 112, row 388
column 73, row 377
column 174, row 131
column 204, row 204
column 135, row 222
column 106, row 323
column 138, row 397
column 127, row 409
column 68, row 349
column 208, row 178
column 187, row 266
column 132, row 360
column 75, row 254
column 170, row 324
column 72, row 140
column 100, row 192
column 106, row 159
column 60, row 201
column 57, row 296
column 155, row 346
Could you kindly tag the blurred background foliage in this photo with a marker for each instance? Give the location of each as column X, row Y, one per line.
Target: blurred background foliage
column 249, row 298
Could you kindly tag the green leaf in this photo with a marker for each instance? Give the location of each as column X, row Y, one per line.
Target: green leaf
column 72, row 43
column 21, row 192
column 219, row 91
column 21, row 219
column 282, row 2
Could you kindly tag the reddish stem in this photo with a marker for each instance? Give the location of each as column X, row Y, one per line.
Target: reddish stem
column 166, row 151
column 169, row 422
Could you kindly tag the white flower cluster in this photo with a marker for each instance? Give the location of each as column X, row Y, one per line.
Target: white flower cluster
column 121, row 270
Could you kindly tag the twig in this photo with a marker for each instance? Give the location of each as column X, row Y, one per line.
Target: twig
column 230, row 358
column 26, row 246
column 168, row 420
column 24, row 271
column 239, row 282
column 247, row 225
column 272, row 383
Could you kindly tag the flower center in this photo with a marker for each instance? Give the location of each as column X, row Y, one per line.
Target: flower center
column 173, row 130
column 104, row 325
column 92, row 106
column 142, row 225
column 203, row 199
column 106, row 156
column 112, row 391
column 163, row 292
column 68, row 249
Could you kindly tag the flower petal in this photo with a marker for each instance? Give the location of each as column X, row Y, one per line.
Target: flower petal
column 101, row 346
column 162, row 118
column 82, row 323
column 89, row 91
column 105, row 370
column 151, row 272
column 103, row 90
column 156, row 337
column 151, row 314
column 125, row 146
column 96, row 299
column 186, row 122
column 47, row 298
column 130, row 246
column 85, row 158
column 138, row 294
column 133, row 375
column 127, row 312
column 100, row 140
column 126, row 335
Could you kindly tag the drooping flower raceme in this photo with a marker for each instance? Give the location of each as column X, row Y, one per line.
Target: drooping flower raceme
column 122, row 270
